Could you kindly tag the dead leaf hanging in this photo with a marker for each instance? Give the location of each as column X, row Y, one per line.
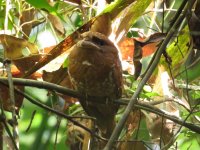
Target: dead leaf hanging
column 15, row 48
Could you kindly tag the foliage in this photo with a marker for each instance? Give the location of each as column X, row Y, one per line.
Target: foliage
column 37, row 36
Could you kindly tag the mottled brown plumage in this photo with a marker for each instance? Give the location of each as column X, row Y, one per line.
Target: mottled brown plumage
column 95, row 70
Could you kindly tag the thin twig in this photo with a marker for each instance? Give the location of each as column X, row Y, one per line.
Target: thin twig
column 3, row 121
column 1, row 135
column 7, row 64
column 184, row 122
column 138, row 128
column 179, row 11
column 190, row 87
column 32, row 117
column 1, row 124
column 175, row 119
column 120, row 125
column 10, row 134
column 161, row 133
column 155, row 110
column 57, row 129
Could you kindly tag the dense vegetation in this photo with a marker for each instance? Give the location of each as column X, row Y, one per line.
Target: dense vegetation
column 159, row 46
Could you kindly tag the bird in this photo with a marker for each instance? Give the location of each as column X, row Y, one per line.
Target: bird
column 95, row 71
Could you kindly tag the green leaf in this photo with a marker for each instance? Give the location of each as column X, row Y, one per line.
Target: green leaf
column 132, row 10
column 118, row 5
column 188, row 140
column 192, row 72
column 143, row 133
column 66, row 63
column 42, row 4
column 178, row 49
column 151, row 94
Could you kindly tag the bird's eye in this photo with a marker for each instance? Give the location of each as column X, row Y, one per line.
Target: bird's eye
column 98, row 41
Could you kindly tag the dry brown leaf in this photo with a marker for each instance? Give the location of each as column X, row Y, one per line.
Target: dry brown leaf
column 162, row 87
column 127, row 48
column 102, row 24
column 57, row 24
column 25, row 63
column 133, row 120
column 149, row 45
column 5, row 98
column 160, row 129
column 4, row 90
column 78, row 138
column 131, row 125
column 13, row 47
column 125, row 19
column 16, row 73
column 134, row 145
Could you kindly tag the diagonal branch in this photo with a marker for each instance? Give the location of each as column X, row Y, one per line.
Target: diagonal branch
column 133, row 101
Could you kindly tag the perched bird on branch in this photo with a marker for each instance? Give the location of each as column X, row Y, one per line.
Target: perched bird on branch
column 95, row 71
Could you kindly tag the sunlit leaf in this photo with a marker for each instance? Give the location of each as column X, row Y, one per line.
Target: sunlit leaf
column 192, row 72
column 42, row 4
column 57, row 24
column 13, row 47
column 130, row 14
column 188, row 141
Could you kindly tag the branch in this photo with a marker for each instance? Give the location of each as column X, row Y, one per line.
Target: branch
column 44, row 85
column 67, row 91
column 10, row 135
column 175, row 119
column 7, row 64
column 1, row 135
column 133, row 101
column 70, row 118
column 5, row 125
column 32, row 117
column 140, row 105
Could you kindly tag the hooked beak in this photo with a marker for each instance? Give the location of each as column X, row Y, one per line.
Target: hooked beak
column 88, row 44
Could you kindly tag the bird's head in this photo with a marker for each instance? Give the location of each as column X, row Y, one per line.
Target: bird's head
column 94, row 41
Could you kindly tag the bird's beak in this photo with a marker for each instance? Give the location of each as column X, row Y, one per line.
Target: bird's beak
column 88, row 45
